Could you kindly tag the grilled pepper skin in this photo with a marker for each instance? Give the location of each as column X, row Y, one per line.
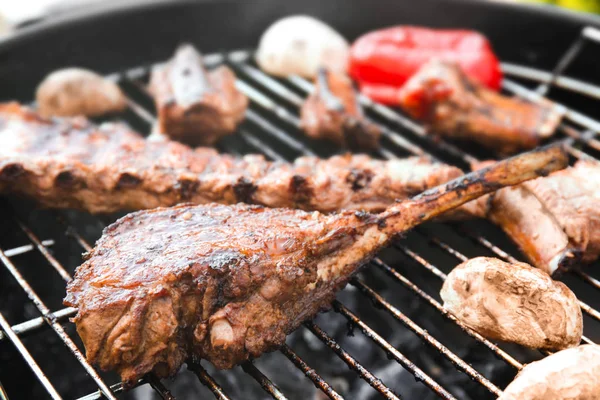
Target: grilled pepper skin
column 389, row 57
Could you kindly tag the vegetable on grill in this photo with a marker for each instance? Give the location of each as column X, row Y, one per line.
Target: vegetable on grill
column 513, row 302
column 385, row 59
column 301, row 45
column 572, row 374
column 70, row 92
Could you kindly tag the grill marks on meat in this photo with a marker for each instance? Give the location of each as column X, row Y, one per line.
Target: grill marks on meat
column 195, row 106
column 228, row 282
column 554, row 220
column 455, row 106
column 332, row 112
column 70, row 163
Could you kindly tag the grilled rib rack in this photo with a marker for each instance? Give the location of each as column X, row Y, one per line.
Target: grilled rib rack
column 272, row 128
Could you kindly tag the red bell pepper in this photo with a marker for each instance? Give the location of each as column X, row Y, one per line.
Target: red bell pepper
column 389, row 57
column 381, row 93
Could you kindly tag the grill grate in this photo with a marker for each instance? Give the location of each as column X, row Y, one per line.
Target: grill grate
column 271, row 122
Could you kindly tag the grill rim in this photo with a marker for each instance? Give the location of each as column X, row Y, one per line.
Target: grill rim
column 70, row 18
column 101, row 37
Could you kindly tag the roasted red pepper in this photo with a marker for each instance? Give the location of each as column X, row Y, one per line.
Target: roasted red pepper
column 381, row 61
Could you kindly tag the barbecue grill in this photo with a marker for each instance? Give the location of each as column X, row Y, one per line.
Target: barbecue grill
column 388, row 325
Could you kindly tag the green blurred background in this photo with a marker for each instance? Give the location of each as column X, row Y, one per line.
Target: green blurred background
column 592, row 6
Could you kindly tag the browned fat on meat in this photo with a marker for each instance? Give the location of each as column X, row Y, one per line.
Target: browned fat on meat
column 555, row 220
column 229, row 282
column 332, row 112
column 196, row 106
column 71, row 163
column 456, row 106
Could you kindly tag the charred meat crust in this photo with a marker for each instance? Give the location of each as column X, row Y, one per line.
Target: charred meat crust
column 70, row 163
column 220, row 282
column 228, row 282
column 332, row 112
column 454, row 105
column 554, row 219
column 572, row 197
column 196, row 106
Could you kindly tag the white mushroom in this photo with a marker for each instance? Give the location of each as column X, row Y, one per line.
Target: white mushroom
column 75, row 91
column 572, row 374
column 513, row 302
column 301, row 45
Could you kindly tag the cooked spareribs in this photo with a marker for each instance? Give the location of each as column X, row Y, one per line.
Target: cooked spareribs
column 70, row 163
column 196, row 106
column 228, row 282
column 456, row 106
column 332, row 112
column 554, row 220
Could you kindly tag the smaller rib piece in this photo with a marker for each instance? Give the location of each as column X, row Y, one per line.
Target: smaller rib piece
column 454, row 105
column 554, row 220
column 332, row 112
column 195, row 106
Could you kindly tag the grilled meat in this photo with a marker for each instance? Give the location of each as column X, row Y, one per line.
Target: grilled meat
column 228, row 282
column 195, row 106
column 454, row 105
column 332, row 112
column 70, row 163
column 554, row 220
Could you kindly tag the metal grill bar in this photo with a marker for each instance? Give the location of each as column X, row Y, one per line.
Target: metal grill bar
column 25, row 248
column 116, row 389
column 28, row 358
column 423, row 334
column 42, row 249
column 562, row 82
column 586, row 33
column 264, row 382
column 119, row 388
column 588, row 279
column 39, row 322
column 55, row 325
column 157, row 385
column 319, row 382
column 392, row 351
column 207, row 380
column 501, row 354
column 354, row 365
